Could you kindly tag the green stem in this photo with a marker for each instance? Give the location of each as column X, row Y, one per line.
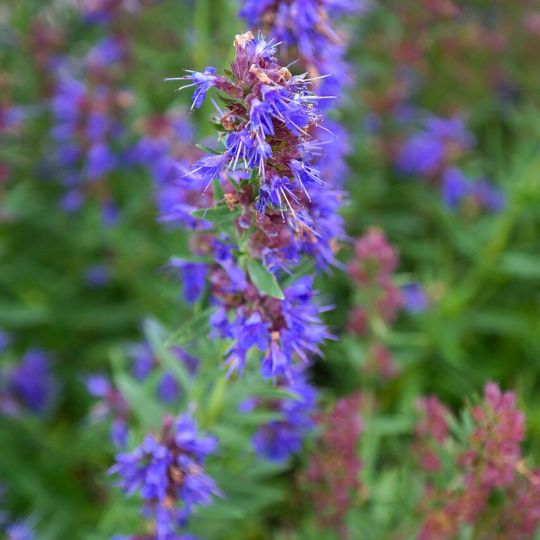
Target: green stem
column 215, row 402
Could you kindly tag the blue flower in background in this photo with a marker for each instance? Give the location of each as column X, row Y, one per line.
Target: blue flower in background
column 20, row 530
column 5, row 340
column 487, row 196
column 97, row 275
column 415, row 299
column 168, row 473
column 31, row 383
column 454, row 188
column 193, row 277
column 279, row 439
column 439, row 140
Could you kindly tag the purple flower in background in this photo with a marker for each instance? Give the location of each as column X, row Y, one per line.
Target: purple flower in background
column 433, row 153
column 20, row 530
column 307, row 25
column 457, row 188
column 486, row 196
column 193, row 277
column 168, row 389
column 439, row 142
column 31, row 383
column 168, row 473
column 110, row 50
column 66, row 104
column 144, row 362
column 111, row 405
column 415, row 299
column 72, row 201
column 97, row 275
column 332, row 161
column 449, row 129
column 166, row 149
column 100, row 161
column 421, row 154
column 107, row 11
column 5, row 340
column 454, row 188
column 88, row 115
column 110, row 213
column 279, row 439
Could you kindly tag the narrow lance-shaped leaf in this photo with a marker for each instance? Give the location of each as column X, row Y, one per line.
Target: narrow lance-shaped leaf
column 264, row 280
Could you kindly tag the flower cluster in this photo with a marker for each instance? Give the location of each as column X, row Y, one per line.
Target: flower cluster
column 380, row 299
column 28, row 385
column 267, row 128
column 333, row 470
column 431, row 431
column 87, row 129
column 433, row 154
column 305, row 27
column 493, row 490
column 279, row 439
column 168, row 473
column 281, row 329
column 495, row 443
column 520, row 516
column 278, row 202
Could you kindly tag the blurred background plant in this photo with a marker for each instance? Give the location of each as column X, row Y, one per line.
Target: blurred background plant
column 393, row 431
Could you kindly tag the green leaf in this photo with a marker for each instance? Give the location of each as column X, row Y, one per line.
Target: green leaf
column 217, row 190
column 190, row 328
column 521, row 265
column 208, row 149
column 142, row 405
column 155, row 335
column 218, row 214
column 264, row 280
column 194, row 258
column 276, row 393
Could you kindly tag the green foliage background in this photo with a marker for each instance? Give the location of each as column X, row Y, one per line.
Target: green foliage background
column 482, row 270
